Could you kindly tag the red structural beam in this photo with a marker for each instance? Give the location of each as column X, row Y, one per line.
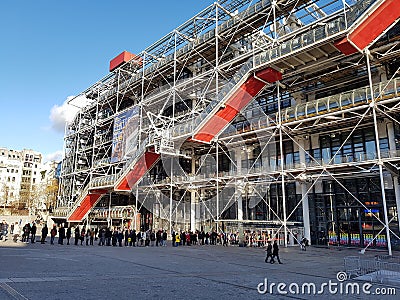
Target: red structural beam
column 247, row 91
column 371, row 28
column 145, row 162
column 86, row 205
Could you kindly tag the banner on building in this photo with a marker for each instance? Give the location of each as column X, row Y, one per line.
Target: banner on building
column 125, row 134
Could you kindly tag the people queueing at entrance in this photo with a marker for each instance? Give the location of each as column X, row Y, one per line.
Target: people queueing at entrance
column 122, row 236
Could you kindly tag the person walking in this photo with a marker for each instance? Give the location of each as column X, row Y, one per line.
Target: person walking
column 269, row 253
column 77, row 235
column 45, row 231
column 275, row 252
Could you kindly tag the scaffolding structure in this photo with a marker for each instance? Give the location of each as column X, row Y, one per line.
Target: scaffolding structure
column 252, row 115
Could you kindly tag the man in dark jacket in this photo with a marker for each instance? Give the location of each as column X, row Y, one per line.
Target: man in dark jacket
column 33, row 232
column 269, row 253
column 275, row 252
column 61, row 235
column 164, row 238
column 68, row 234
column 45, row 231
column 77, row 235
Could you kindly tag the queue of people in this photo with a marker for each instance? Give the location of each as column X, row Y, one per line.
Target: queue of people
column 123, row 237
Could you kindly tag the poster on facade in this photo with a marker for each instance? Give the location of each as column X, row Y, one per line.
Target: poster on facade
column 125, row 134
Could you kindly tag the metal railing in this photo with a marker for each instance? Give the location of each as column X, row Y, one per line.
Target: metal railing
column 331, row 104
column 378, row 269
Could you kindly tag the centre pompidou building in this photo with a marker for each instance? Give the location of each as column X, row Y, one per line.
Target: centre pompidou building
column 276, row 116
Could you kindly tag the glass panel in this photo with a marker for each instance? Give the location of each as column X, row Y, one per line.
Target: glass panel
column 285, row 48
column 346, row 100
column 320, row 33
column 300, row 111
column 296, row 43
column 322, row 105
column 311, row 109
column 307, row 39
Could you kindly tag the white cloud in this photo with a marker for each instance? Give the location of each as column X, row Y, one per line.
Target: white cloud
column 60, row 115
column 57, row 156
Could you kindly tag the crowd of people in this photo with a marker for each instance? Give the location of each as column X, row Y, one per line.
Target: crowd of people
column 117, row 236
column 123, row 237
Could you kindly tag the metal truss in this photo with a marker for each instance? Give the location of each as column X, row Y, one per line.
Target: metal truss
column 270, row 156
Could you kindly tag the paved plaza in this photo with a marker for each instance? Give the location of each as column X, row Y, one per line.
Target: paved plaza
column 36, row 271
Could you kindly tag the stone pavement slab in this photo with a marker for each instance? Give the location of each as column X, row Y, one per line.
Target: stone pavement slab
column 36, row 271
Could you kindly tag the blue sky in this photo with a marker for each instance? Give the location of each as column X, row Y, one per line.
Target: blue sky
column 50, row 50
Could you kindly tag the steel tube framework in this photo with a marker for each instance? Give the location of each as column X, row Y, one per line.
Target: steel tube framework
column 298, row 127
